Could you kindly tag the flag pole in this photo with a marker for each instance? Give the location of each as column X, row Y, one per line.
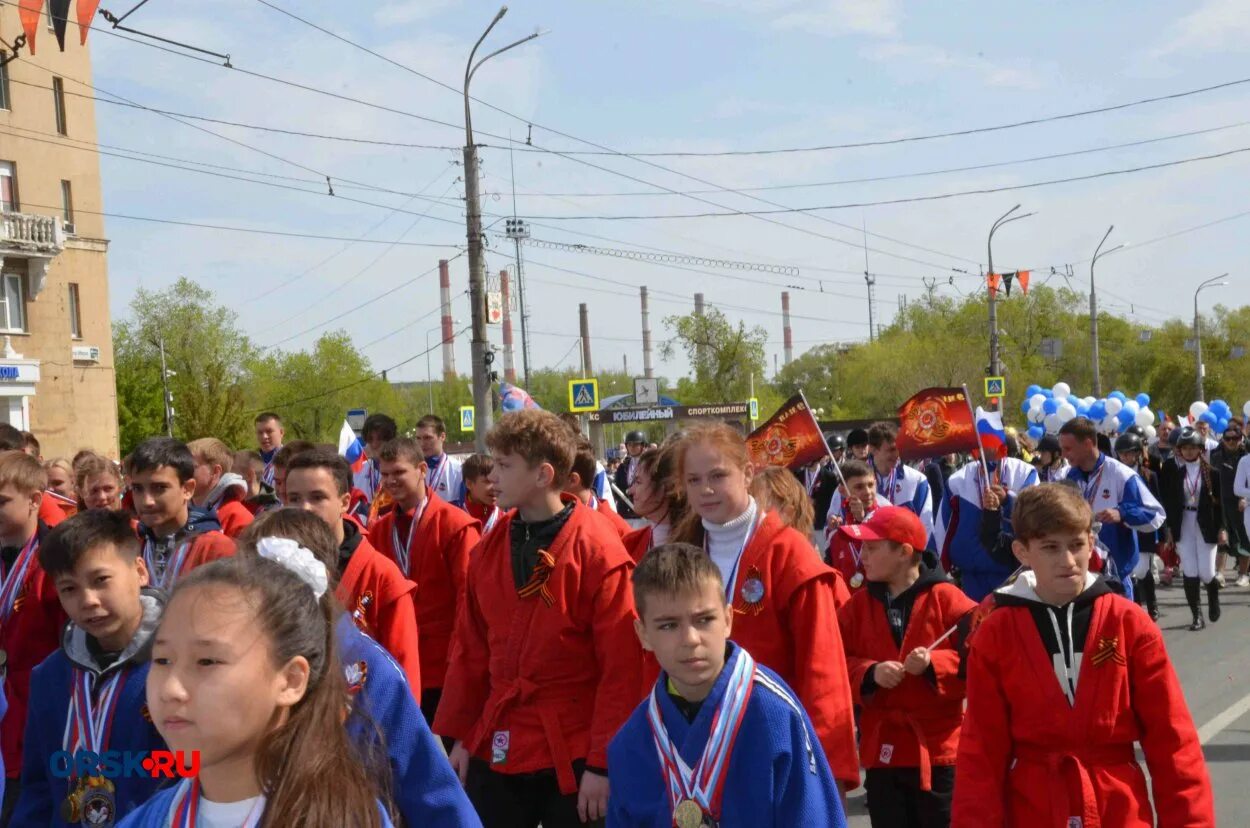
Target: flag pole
column 824, row 442
column 985, row 468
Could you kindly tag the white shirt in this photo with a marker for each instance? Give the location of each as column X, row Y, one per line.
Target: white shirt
column 229, row 814
column 725, row 541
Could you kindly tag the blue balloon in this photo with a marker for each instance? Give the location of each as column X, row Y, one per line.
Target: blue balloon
column 1119, row 395
column 1050, row 406
column 1047, row 393
column 1024, row 406
column 1031, row 390
column 1221, row 409
column 1126, row 417
column 1097, row 411
column 1143, row 400
column 1209, row 417
column 1036, row 432
column 1082, row 410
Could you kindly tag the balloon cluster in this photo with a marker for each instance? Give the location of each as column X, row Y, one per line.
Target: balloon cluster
column 1216, row 414
column 1047, row 409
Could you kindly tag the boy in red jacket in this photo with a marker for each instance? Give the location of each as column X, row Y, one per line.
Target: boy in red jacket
column 1065, row 676
column 217, row 488
column 480, row 498
column 911, row 696
column 30, row 611
column 581, row 485
column 545, row 666
column 370, row 586
column 853, row 503
column 430, row 540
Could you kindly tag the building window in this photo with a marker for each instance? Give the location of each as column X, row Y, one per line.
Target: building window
column 67, row 202
column 13, row 304
column 75, row 316
column 58, row 100
column 8, row 187
column 4, row 87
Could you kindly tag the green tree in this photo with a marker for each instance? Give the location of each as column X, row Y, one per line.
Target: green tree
column 726, row 358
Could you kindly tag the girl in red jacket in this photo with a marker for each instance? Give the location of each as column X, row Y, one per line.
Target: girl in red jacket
column 781, row 592
column 1065, row 677
column 658, row 498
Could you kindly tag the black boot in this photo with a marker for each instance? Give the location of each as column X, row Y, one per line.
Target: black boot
column 1147, row 586
column 1193, row 592
column 1213, row 600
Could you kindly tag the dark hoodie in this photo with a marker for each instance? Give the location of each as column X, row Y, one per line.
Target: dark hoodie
column 351, row 542
column 898, row 608
column 199, row 521
column 1063, row 629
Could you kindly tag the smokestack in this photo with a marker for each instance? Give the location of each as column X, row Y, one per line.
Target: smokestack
column 509, row 357
column 646, row 334
column 787, row 335
column 449, row 335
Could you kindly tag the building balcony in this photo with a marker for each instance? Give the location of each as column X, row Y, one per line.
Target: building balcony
column 38, row 239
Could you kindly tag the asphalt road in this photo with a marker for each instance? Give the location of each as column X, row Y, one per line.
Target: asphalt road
column 1214, row 669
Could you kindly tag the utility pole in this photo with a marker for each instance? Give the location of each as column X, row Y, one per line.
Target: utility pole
column 787, row 336
column 870, row 280
column 481, row 355
column 1093, row 309
column 1212, row 282
column 588, row 369
column 519, row 230
column 996, row 367
column 168, row 395
column 646, row 333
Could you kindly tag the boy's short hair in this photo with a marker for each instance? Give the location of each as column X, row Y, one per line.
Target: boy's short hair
column 881, row 433
column 1049, row 508
column 266, row 416
column 538, row 437
column 584, row 463
column 290, row 451
column 401, row 449
column 435, row 422
column 673, row 569
column 23, row 472
column 1082, row 428
column 478, row 465
column 64, row 546
column 30, row 441
column 854, row 468
column 305, row 528
column 327, row 459
column 10, row 438
column 383, row 425
column 155, row 452
column 212, row 451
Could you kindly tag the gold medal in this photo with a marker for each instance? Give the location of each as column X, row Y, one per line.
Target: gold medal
column 71, row 806
column 688, row 814
column 857, row 580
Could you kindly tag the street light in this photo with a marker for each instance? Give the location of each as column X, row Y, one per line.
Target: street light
column 1005, row 218
column 1093, row 307
column 429, row 378
column 1212, row 282
column 477, row 266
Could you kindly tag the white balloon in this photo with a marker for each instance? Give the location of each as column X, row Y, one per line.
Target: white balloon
column 1132, row 407
column 1036, row 400
column 1145, row 417
column 1089, row 401
column 1036, row 415
column 1197, row 409
column 1114, row 405
column 1110, row 424
column 1066, row 411
column 1053, row 422
column 1062, row 390
column 1245, row 409
column 1151, row 433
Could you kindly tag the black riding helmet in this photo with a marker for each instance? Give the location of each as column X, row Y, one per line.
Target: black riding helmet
column 835, row 441
column 1128, row 441
column 1049, row 442
column 1189, row 436
column 635, row 437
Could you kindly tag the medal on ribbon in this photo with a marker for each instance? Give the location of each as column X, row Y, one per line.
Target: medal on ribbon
column 16, row 579
column 89, row 723
column 402, row 551
column 695, row 796
column 752, row 593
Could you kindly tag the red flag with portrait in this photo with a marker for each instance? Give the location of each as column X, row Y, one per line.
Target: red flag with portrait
column 789, row 438
column 934, row 422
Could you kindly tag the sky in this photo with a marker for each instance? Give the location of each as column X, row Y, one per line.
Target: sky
column 693, row 76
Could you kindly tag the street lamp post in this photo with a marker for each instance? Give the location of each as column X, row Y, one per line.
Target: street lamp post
column 480, row 349
column 1005, row 218
column 1093, row 308
column 1214, row 281
column 429, row 378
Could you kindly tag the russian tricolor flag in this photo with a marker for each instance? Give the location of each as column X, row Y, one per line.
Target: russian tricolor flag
column 990, row 432
column 515, row 398
column 351, row 447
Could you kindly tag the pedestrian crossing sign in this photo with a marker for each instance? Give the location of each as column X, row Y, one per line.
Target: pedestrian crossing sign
column 467, row 418
column 754, row 408
column 995, row 387
column 583, row 395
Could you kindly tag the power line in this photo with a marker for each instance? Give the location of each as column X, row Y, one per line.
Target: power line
column 407, row 325
column 912, row 199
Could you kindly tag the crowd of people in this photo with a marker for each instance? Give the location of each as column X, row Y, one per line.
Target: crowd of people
column 529, row 637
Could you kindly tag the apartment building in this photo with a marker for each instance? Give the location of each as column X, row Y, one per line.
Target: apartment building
column 56, row 355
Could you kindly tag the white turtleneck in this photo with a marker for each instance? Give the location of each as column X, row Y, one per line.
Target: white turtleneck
column 725, row 541
column 660, row 533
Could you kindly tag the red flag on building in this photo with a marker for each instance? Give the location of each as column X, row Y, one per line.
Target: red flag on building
column 31, row 12
column 86, row 11
column 789, row 438
column 934, row 422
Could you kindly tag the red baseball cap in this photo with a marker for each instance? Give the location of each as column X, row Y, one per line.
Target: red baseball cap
column 892, row 523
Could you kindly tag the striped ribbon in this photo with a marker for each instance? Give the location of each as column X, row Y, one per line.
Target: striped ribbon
column 90, row 717
column 402, row 551
column 537, row 584
column 16, row 577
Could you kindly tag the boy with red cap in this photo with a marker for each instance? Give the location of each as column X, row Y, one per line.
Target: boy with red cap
column 904, row 678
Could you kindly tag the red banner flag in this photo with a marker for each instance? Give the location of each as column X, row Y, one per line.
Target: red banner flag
column 789, row 438
column 934, row 422
column 993, row 280
column 1023, row 278
column 86, row 11
column 31, row 12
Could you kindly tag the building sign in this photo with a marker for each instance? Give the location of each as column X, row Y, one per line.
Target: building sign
column 663, row 413
column 20, row 373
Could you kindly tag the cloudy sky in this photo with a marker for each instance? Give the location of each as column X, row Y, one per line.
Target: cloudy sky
column 686, row 76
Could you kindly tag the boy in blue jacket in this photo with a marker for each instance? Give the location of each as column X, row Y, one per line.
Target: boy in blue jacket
column 90, row 694
column 755, row 758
